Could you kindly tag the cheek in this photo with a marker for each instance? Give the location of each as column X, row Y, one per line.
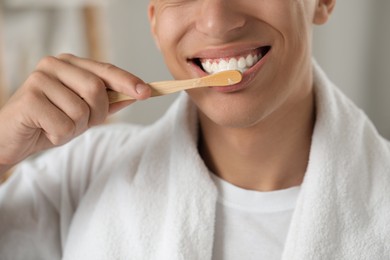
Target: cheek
column 291, row 19
column 170, row 31
column 293, row 24
column 166, row 30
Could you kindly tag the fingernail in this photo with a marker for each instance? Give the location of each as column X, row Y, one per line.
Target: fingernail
column 141, row 88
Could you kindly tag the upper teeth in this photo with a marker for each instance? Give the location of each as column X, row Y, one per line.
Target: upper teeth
column 242, row 63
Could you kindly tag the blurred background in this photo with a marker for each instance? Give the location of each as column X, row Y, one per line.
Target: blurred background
column 353, row 48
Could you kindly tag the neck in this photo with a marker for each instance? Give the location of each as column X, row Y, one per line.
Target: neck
column 271, row 155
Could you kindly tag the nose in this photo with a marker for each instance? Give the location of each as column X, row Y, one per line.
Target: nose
column 219, row 18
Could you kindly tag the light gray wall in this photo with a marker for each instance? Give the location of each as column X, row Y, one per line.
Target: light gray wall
column 352, row 48
column 132, row 48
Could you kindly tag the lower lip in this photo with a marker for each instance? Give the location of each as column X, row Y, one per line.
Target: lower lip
column 247, row 77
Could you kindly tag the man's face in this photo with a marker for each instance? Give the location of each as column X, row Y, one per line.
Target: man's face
column 268, row 40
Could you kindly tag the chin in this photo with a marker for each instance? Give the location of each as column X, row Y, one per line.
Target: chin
column 230, row 113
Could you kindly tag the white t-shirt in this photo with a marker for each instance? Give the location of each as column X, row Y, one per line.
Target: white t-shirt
column 251, row 224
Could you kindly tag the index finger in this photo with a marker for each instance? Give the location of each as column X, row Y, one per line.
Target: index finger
column 114, row 78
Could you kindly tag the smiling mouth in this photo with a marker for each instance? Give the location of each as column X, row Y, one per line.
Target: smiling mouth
column 242, row 62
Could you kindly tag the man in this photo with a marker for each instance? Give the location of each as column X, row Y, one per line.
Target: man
column 281, row 165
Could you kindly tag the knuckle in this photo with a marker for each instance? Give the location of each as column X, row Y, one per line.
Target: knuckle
column 65, row 56
column 95, row 84
column 80, row 112
column 94, row 87
column 31, row 91
column 36, row 78
column 47, row 62
column 107, row 67
column 62, row 136
column 30, row 98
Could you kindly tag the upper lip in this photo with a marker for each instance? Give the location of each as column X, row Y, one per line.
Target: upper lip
column 226, row 52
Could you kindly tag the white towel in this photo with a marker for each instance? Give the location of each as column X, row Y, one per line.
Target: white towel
column 344, row 209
